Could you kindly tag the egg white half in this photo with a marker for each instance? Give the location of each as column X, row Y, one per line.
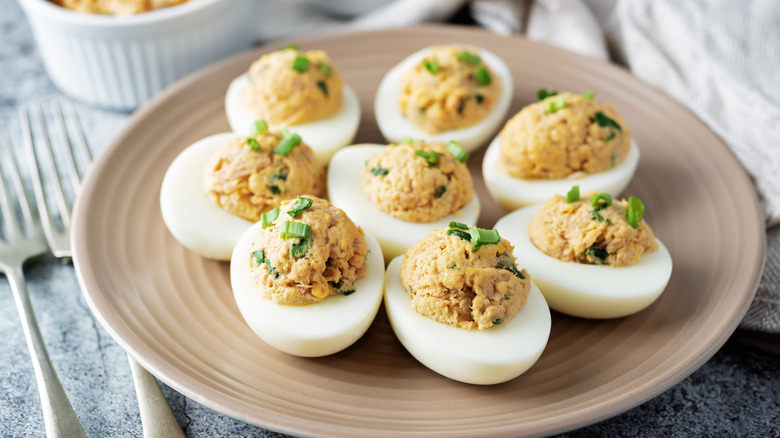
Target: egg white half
column 395, row 236
column 513, row 193
column 324, row 136
column 394, row 126
column 314, row 330
column 191, row 217
column 480, row 357
column 587, row 291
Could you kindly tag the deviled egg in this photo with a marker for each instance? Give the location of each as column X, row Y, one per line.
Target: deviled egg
column 561, row 140
column 591, row 257
column 401, row 192
column 302, row 91
column 217, row 187
column 306, row 279
column 460, row 305
column 444, row 93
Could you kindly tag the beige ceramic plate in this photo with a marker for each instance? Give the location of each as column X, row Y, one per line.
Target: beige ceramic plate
column 174, row 312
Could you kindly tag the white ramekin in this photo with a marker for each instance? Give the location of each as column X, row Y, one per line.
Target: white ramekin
column 119, row 62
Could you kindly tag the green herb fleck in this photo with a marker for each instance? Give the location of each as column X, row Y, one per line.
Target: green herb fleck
column 461, row 106
column 605, row 122
column 379, row 170
column 274, row 190
column 468, row 58
column 300, row 204
column 300, row 249
column 431, row 65
column 258, row 257
column 544, row 94
column 440, row 192
column 590, row 95
column 323, row 87
column 602, row 200
column 258, row 128
column 289, row 141
column 553, row 106
column 505, row 263
column 634, row 211
column 431, row 157
column 459, row 233
column 573, row 195
column 407, row 140
column 326, row 70
column 459, row 226
column 597, row 256
column 452, row 265
column 454, row 148
column 253, row 144
column 291, row 47
column 300, row 64
column 480, row 98
column 346, row 292
column 483, row 77
column 268, row 218
column 497, row 321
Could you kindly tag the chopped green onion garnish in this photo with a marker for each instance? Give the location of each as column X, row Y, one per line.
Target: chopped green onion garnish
column 258, row 128
column 440, row 192
column 346, row 292
column 460, row 233
column 554, row 105
column 300, row 64
column 454, row 148
column 407, row 140
column 430, row 157
column 468, row 58
column 326, row 70
column 274, row 190
column 601, row 200
column 497, row 321
column 291, row 47
column 481, row 236
column 596, row 212
column 287, row 144
column 461, row 106
column 573, row 195
column 590, row 95
column 253, row 144
column 258, row 257
column 378, row 170
column 596, row 256
column 432, row 66
column 506, row 263
column 634, row 211
column 269, row 217
column 295, row 229
column 452, row 265
column 480, row 98
column 300, row 204
column 483, row 77
column 323, row 87
column 459, row 226
column 300, row 249
column 606, row 122
column 544, row 94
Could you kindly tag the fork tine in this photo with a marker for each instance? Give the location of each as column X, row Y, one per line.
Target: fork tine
column 6, row 211
column 75, row 181
column 45, row 152
column 79, row 138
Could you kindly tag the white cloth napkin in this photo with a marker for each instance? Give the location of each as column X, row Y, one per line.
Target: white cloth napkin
column 720, row 58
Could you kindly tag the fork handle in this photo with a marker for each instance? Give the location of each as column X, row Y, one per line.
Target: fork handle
column 156, row 416
column 58, row 415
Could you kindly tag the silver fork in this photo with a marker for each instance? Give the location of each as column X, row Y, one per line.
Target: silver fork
column 156, row 416
column 23, row 242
